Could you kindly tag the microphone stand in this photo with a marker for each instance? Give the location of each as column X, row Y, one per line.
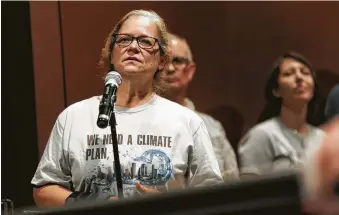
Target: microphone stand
column 189, row 165
column 116, row 162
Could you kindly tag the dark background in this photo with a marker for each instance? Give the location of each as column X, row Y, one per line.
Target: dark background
column 50, row 52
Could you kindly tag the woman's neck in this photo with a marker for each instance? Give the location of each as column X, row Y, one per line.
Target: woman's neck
column 295, row 118
column 133, row 93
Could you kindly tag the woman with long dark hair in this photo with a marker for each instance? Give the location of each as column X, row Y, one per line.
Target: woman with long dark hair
column 285, row 132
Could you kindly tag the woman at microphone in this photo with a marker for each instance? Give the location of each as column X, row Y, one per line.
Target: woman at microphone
column 157, row 138
column 285, row 135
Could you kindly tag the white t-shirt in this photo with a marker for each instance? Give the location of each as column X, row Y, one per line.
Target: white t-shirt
column 154, row 141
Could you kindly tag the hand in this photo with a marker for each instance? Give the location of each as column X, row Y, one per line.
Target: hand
column 145, row 189
column 113, row 198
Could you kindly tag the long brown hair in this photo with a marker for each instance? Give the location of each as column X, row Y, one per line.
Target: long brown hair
column 273, row 104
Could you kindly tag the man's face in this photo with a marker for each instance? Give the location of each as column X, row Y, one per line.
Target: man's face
column 179, row 70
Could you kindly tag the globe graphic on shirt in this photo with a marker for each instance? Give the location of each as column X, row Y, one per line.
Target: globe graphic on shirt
column 152, row 168
column 155, row 168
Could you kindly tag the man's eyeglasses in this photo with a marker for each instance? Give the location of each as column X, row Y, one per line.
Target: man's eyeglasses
column 144, row 42
column 179, row 61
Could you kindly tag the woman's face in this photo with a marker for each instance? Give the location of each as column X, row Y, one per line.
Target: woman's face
column 139, row 56
column 295, row 82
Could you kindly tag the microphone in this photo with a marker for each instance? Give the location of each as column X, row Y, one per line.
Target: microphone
column 112, row 82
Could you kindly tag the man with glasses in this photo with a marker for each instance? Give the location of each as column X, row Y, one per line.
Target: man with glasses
column 178, row 74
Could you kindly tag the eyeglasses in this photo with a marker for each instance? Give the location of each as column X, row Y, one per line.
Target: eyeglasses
column 144, row 42
column 177, row 62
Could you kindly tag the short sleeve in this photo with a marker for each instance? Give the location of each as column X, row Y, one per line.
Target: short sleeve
column 255, row 152
column 54, row 167
column 205, row 169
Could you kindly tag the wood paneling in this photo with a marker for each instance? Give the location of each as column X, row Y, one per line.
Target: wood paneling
column 48, row 67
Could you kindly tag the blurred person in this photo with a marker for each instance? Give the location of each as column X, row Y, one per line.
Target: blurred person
column 154, row 134
column 332, row 103
column 284, row 134
column 178, row 73
column 322, row 174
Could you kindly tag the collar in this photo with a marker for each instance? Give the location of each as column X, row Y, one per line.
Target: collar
column 189, row 104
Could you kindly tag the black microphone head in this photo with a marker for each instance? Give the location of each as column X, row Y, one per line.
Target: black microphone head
column 113, row 78
column 102, row 123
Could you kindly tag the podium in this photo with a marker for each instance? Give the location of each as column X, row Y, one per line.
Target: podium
column 276, row 194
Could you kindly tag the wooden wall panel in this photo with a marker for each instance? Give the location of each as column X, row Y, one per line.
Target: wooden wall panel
column 234, row 44
column 48, row 67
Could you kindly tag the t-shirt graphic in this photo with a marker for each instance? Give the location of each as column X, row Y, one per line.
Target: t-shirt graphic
column 153, row 168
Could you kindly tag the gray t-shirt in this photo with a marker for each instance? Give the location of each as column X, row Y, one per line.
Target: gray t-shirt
column 271, row 146
column 154, row 141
